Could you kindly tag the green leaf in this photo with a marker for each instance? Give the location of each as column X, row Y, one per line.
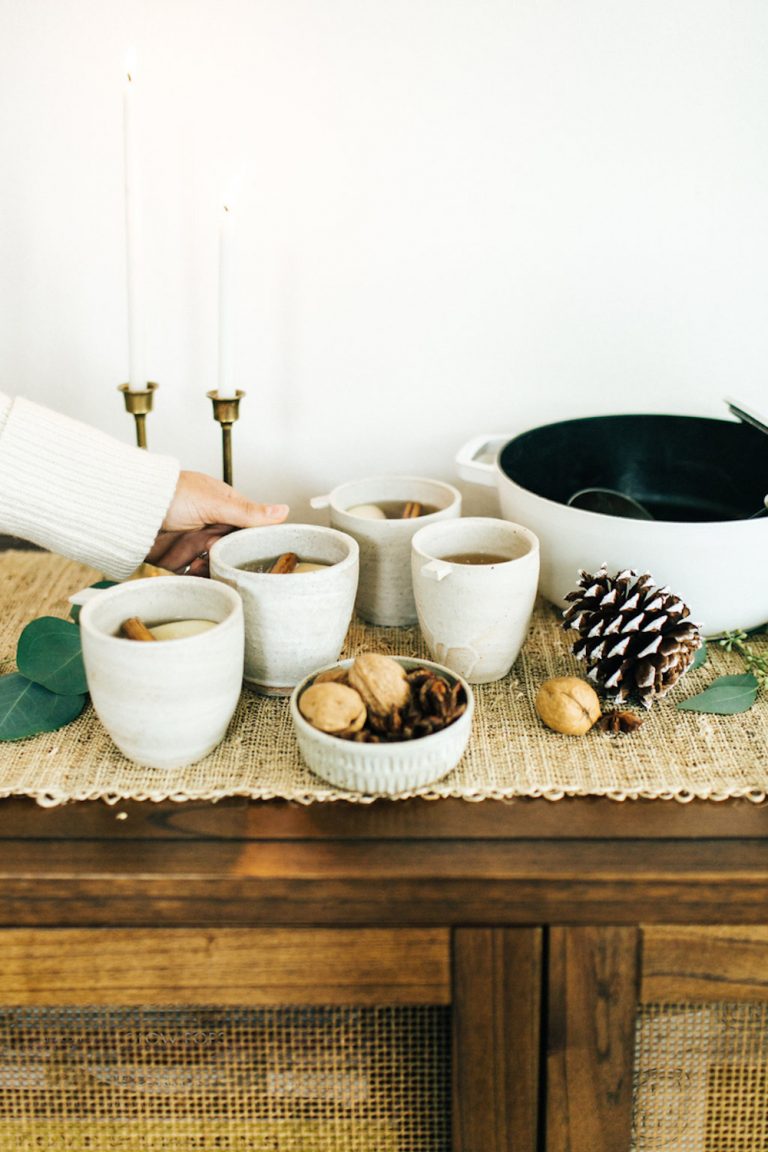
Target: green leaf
column 700, row 657
column 725, row 696
column 75, row 609
column 49, row 653
column 26, row 708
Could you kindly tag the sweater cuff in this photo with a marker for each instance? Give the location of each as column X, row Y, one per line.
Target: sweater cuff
column 74, row 490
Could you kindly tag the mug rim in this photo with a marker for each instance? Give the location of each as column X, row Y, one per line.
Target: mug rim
column 418, row 546
column 407, row 478
column 127, row 587
column 219, row 547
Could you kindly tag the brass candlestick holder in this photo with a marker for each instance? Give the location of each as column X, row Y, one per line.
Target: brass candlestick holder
column 226, row 411
column 139, row 403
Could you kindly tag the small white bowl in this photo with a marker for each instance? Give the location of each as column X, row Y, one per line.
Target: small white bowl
column 389, row 768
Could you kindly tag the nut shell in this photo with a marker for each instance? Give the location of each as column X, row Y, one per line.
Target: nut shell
column 381, row 682
column 568, row 705
column 336, row 675
column 332, row 707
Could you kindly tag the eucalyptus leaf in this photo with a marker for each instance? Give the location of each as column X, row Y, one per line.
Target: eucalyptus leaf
column 725, row 696
column 50, row 654
column 700, row 657
column 27, row 708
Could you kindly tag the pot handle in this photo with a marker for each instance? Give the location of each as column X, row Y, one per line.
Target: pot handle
column 747, row 415
column 476, row 460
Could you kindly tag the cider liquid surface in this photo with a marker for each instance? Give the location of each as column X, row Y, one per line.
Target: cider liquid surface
column 304, row 565
column 394, row 509
column 476, row 558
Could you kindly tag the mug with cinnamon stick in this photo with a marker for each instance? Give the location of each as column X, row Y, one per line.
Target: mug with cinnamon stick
column 298, row 584
column 164, row 664
column 383, row 513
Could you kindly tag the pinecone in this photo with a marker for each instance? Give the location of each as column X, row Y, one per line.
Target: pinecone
column 637, row 640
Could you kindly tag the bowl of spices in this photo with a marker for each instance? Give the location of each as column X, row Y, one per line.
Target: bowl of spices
column 381, row 724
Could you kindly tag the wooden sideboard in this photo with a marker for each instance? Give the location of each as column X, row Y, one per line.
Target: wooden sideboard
column 543, row 925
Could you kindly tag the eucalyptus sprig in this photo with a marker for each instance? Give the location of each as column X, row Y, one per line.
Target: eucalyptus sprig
column 49, row 689
column 758, row 665
column 727, row 695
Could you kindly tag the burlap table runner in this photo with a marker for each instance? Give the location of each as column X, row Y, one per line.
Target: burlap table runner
column 675, row 754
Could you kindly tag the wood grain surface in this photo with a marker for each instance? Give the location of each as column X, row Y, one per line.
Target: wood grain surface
column 224, row 966
column 496, row 1023
column 704, row 962
column 593, row 986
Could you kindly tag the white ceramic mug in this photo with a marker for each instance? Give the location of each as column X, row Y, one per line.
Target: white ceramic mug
column 385, row 592
column 165, row 704
column 474, row 582
column 294, row 623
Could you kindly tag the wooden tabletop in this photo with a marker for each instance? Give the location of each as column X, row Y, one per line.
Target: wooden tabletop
column 418, row 862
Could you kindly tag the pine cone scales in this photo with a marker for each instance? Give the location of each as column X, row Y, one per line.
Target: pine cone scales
column 636, row 639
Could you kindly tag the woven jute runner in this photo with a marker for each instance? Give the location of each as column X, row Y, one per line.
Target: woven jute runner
column 674, row 755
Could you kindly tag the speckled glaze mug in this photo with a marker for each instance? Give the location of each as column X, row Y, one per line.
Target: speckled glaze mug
column 385, row 592
column 475, row 582
column 165, row 704
column 294, row 623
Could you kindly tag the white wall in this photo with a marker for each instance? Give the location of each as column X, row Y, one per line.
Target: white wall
column 453, row 216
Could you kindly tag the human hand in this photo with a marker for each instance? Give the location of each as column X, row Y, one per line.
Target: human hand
column 202, row 510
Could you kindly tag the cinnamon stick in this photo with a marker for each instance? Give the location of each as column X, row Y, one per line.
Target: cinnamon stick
column 135, row 629
column 412, row 510
column 285, row 563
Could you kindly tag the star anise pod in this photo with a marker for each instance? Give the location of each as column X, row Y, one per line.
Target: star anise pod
column 618, row 721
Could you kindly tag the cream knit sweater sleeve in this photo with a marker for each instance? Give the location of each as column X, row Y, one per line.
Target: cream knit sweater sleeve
column 75, row 490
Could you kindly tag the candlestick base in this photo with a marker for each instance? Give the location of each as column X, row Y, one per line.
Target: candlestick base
column 226, row 412
column 138, row 403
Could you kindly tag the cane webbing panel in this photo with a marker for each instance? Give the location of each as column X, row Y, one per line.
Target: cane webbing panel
column 257, row 1080
column 701, row 1078
column 510, row 753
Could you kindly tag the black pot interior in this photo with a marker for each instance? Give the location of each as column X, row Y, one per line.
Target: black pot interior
column 681, row 468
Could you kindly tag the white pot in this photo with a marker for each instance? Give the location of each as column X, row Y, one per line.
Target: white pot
column 718, row 567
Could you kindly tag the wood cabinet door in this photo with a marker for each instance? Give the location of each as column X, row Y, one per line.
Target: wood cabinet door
column 657, row 1039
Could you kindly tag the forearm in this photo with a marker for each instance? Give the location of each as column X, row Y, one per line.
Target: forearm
column 72, row 489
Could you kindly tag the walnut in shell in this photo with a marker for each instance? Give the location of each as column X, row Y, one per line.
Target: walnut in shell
column 336, row 675
column 381, row 682
column 568, row 704
column 332, row 707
